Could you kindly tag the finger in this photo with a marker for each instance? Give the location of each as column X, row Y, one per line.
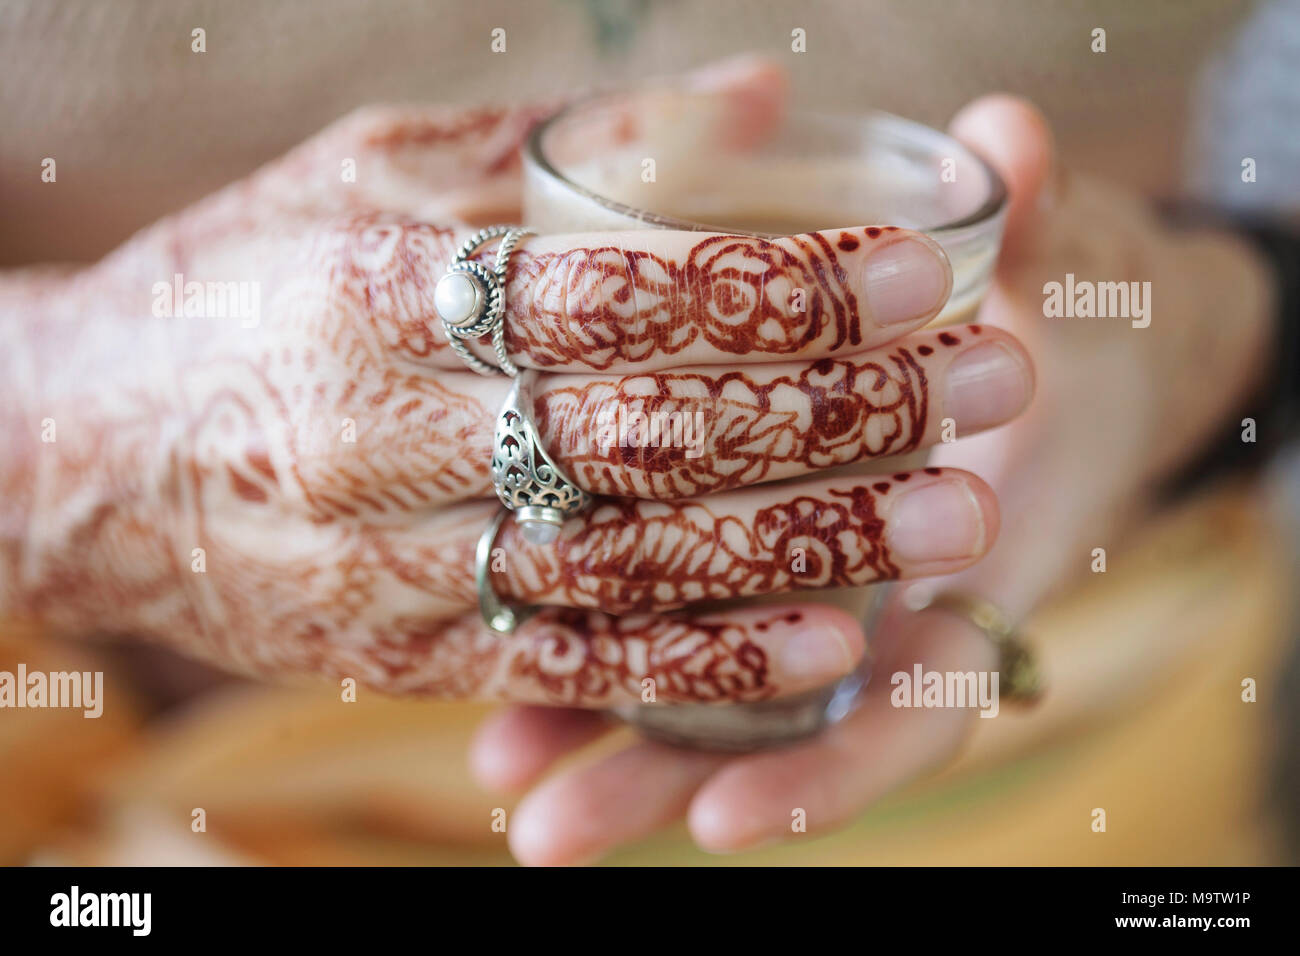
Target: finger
column 730, row 105
column 1014, row 137
column 431, row 162
column 753, row 91
column 514, row 747
column 836, row 775
column 424, row 438
column 656, row 299
column 569, row 658
column 628, row 555
column 647, row 300
column 582, row 814
column 696, row 431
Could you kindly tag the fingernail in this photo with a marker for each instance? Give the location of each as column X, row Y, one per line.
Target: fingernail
column 986, row 385
column 937, row 522
column 816, row 654
column 905, row 280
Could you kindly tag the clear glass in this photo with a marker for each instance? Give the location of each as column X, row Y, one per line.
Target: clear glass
column 676, row 159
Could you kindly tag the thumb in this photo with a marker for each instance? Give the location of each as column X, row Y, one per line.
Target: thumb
column 1014, row 138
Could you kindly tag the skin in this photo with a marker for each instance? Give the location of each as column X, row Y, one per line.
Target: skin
column 1075, row 472
column 330, row 461
column 326, row 557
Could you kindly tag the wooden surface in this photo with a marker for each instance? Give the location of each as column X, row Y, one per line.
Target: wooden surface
column 1144, row 719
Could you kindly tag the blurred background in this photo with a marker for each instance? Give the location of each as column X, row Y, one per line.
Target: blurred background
column 1145, row 662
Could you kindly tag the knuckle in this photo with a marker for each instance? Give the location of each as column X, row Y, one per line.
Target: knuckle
column 382, row 273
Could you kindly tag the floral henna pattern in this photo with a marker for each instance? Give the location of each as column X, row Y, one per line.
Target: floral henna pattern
column 678, row 435
column 604, row 306
column 630, row 556
column 573, row 658
column 579, row 657
column 204, row 489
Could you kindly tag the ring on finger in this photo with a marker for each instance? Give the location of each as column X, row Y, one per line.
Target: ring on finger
column 501, row 618
column 527, row 481
column 471, row 299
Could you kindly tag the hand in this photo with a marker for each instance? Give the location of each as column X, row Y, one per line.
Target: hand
column 1116, row 409
column 298, row 487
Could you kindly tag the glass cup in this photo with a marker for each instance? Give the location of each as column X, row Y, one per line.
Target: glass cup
column 674, row 158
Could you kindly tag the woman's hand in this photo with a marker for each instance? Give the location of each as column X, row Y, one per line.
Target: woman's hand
column 284, row 468
column 1117, row 408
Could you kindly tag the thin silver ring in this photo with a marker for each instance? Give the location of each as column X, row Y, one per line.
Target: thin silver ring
column 527, row 481
column 501, row 618
column 485, row 315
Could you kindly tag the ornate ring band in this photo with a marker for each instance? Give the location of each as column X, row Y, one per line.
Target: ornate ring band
column 1017, row 661
column 471, row 299
column 501, row 618
column 525, row 478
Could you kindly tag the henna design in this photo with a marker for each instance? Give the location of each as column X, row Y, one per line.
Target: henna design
column 637, row 556
column 598, row 307
column 586, row 656
column 832, row 413
column 201, row 437
column 567, row 657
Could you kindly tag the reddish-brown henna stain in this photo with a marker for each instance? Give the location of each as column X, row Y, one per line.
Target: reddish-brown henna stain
column 847, row 242
column 924, row 350
column 361, row 296
column 934, row 471
column 688, row 659
column 794, row 617
column 881, row 486
column 974, row 329
column 902, row 476
column 632, row 555
column 947, row 338
column 836, row 411
column 600, row 306
column 873, row 232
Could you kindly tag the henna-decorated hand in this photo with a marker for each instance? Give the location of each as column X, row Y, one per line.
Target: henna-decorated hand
column 298, row 488
column 1118, row 408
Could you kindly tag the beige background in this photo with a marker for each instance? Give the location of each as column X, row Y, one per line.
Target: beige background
column 139, row 125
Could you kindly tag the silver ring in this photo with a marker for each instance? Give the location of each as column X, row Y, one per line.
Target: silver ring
column 471, row 299
column 526, row 480
column 500, row 618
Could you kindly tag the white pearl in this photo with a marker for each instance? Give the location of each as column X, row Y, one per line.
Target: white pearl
column 539, row 532
column 455, row 297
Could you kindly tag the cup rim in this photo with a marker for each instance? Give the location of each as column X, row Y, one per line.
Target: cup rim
column 994, row 204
